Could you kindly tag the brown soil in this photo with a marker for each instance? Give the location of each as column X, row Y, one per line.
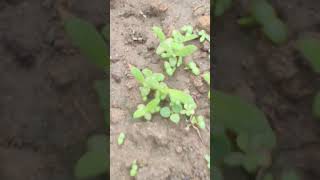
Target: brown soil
column 163, row 150
column 48, row 106
column 277, row 79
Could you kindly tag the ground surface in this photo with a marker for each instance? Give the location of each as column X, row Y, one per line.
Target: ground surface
column 277, row 79
column 47, row 104
column 163, row 150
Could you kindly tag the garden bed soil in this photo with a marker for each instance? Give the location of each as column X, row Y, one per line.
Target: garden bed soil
column 162, row 149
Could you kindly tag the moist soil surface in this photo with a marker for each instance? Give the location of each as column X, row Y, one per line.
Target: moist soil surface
column 163, row 150
column 276, row 78
column 48, row 106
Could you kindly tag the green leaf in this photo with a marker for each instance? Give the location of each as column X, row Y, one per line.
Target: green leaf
column 137, row 74
column 88, row 40
column 134, row 169
column 152, row 105
column 92, row 164
column 180, row 96
column 165, row 112
column 206, row 77
column 310, row 48
column 159, row 33
column 121, row 138
column 201, row 122
column 140, row 112
column 316, row 105
column 189, row 37
column 276, row 31
column 187, row 50
column 194, row 68
column 175, row 118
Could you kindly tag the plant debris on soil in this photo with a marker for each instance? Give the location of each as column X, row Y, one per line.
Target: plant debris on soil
column 276, row 78
column 161, row 149
column 48, row 106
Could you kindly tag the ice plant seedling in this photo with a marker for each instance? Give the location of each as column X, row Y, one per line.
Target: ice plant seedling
column 180, row 102
column 121, row 138
column 193, row 67
column 172, row 49
column 134, row 169
column 203, row 36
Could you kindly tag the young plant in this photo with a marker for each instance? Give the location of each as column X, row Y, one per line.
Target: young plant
column 134, row 169
column 172, row 49
column 180, row 102
column 121, row 138
column 204, row 36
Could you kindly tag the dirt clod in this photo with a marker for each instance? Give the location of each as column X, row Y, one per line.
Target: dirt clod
column 203, row 22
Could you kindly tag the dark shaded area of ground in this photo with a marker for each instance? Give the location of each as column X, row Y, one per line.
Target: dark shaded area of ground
column 277, row 79
column 48, row 106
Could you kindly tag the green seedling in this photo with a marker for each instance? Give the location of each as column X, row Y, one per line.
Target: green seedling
column 175, row 118
column 206, row 77
column 198, row 121
column 207, row 158
column 204, row 36
column 134, row 169
column 180, row 102
column 121, row 138
column 172, row 49
column 193, row 67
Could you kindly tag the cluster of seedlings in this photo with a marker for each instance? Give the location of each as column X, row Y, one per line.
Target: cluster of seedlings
column 170, row 103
